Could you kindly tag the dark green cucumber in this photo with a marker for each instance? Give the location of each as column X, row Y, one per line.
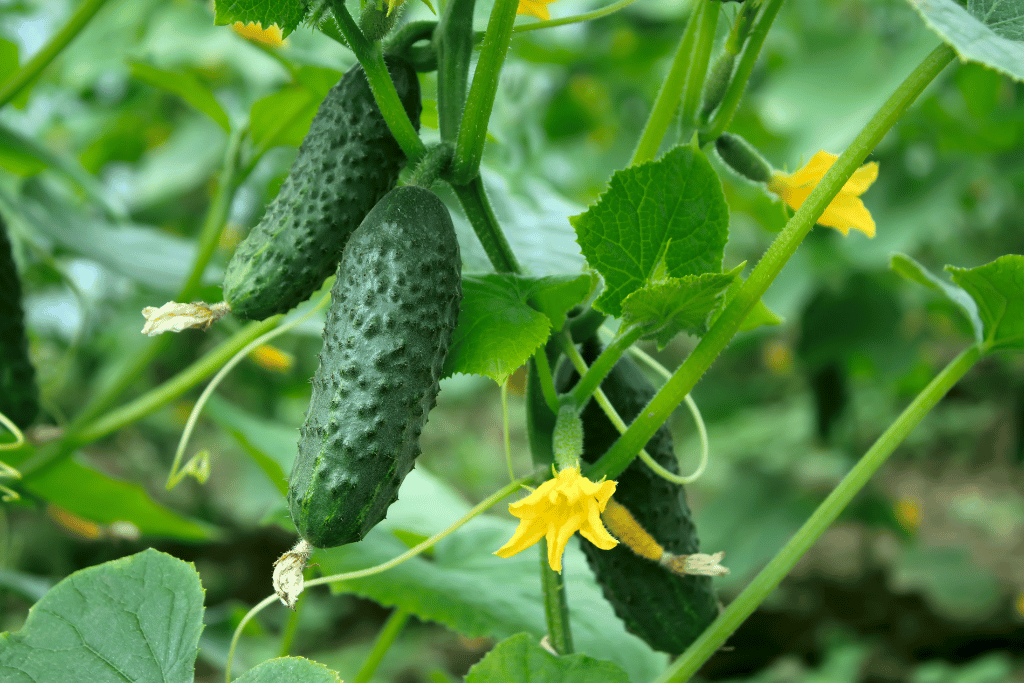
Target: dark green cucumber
column 667, row 611
column 19, row 397
column 393, row 308
column 346, row 163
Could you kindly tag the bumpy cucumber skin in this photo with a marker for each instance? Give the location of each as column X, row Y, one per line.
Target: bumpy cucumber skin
column 346, row 163
column 667, row 611
column 393, row 308
column 19, row 396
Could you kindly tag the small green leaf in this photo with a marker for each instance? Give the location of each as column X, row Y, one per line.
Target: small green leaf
column 93, row 495
column 291, row 669
column 998, row 290
column 990, row 32
column 287, row 14
column 186, row 86
column 283, row 117
column 677, row 304
column 915, row 272
column 133, row 619
column 521, row 658
column 505, row 318
column 668, row 213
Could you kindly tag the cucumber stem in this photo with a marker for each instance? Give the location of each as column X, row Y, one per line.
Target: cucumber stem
column 556, row 609
column 485, row 225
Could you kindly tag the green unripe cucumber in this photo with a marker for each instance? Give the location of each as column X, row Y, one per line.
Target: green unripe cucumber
column 393, row 308
column 666, row 610
column 346, row 163
column 19, row 396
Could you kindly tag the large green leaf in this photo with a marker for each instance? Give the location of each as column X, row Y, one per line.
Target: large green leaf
column 666, row 217
column 915, row 272
column 90, row 494
column 283, row 117
column 473, row 592
column 133, row 619
column 287, row 14
column 990, row 32
column 521, row 659
column 291, row 669
column 185, row 85
column 998, row 289
column 504, row 318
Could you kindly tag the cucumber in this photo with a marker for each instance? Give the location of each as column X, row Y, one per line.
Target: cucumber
column 666, row 610
column 346, row 163
column 19, row 396
column 393, row 308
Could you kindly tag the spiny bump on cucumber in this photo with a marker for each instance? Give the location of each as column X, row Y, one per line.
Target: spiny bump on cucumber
column 666, row 610
column 393, row 309
column 346, row 163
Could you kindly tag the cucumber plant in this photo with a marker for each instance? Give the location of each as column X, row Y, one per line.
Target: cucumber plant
column 393, row 308
column 346, row 163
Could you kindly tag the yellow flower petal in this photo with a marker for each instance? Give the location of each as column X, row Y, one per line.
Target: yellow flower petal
column 846, row 211
column 535, row 8
column 556, row 510
column 270, row 36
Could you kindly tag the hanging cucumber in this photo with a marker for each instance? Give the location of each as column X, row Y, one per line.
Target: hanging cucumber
column 393, row 308
column 667, row 610
column 19, row 397
column 346, row 163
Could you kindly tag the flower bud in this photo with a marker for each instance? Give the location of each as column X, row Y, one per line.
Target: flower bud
column 740, row 156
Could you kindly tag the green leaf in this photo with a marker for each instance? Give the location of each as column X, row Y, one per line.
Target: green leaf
column 915, row 272
column 473, row 592
column 990, row 32
column 8, row 59
column 186, row 86
column 998, row 290
column 505, row 318
column 90, row 494
column 272, row 445
column 521, row 658
column 287, row 14
column 283, row 118
column 291, row 669
column 665, row 214
column 133, row 619
column 677, row 304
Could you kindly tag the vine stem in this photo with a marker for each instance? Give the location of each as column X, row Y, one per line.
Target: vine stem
column 28, row 73
column 392, row 627
column 371, row 57
column 667, row 100
column 826, row 513
column 574, row 19
column 618, row 457
column 603, row 364
column 469, row 146
column 697, row 69
column 485, row 224
column 556, row 608
column 727, row 108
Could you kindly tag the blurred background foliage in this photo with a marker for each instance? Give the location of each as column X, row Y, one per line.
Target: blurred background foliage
column 107, row 169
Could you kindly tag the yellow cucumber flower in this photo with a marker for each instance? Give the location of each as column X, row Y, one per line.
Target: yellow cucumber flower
column 254, row 31
column 556, row 510
column 846, row 210
column 535, row 8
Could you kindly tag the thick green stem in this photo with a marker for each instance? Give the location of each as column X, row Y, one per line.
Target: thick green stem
column 770, row 577
column 731, row 100
column 473, row 130
column 722, row 331
column 668, row 97
column 556, row 610
column 152, row 400
column 25, row 76
column 454, row 42
column 371, row 57
column 485, row 225
column 392, row 627
column 603, row 364
column 698, row 68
